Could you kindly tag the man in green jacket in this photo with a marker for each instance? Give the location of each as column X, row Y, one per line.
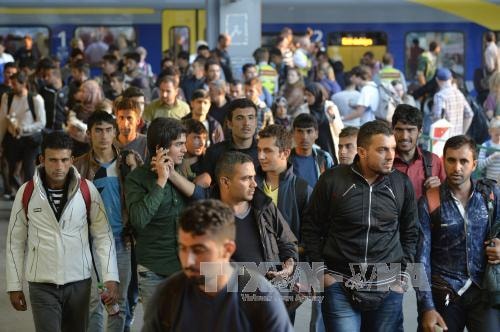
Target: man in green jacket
column 154, row 206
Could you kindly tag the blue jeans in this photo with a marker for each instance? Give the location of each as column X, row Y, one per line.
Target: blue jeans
column 148, row 281
column 340, row 316
column 115, row 322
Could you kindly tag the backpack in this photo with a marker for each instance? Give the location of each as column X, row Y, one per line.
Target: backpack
column 478, row 129
column 388, row 101
column 84, row 188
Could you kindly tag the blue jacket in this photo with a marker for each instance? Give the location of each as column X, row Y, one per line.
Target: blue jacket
column 453, row 249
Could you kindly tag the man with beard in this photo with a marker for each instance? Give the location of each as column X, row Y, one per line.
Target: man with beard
column 207, row 235
column 455, row 245
column 361, row 218
column 242, row 120
column 424, row 168
column 154, row 205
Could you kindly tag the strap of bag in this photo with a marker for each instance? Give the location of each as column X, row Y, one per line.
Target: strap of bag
column 28, row 191
column 84, row 189
column 31, row 104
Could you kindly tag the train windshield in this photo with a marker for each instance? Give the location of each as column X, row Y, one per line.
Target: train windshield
column 25, row 41
column 452, row 51
column 98, row 40
column 349, row 47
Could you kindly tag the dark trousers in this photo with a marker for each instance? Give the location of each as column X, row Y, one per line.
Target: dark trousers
column 470, row 311
column 60, row 308
column 21, row 149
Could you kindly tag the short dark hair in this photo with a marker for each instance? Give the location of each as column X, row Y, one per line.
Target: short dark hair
column 211, row 62
column 456, row 142
column 225, row 165
column 246, row 66
column 81, row 66
column 57, row 140
column 183, row 55
column 27, row 63
column 110, row 58
column 283, row 136
column 349, row 131
column 408, row 115
column 261, row 54
column 199, row 93
column 133, row 91
column 370, row 129
column 305, row 120
column 433, row 45
column 490, row 36
column 212, row 217
column 239, row 103
column 9, row 65
column 76, row 52
column 133, row 56
column 127, row 104
column 194, row 126
column 99, row 117
column 161, row 133
column 120, row 76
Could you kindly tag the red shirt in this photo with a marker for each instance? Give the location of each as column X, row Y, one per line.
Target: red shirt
column 415, row 170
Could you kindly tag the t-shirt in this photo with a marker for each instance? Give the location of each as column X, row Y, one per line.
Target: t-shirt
column 56, row 200
column 344, row 100
column 368, row 98
column 201, row 312
column 272, row 193
column 248, row 243
column 305, row 167
column 107, row 182
column 139, row 145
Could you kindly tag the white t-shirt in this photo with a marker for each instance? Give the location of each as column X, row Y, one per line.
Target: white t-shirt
column 369, row 98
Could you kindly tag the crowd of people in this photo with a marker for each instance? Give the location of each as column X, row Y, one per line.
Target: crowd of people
column 135, row 182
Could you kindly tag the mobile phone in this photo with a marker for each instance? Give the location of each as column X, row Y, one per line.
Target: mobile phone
column 438, row 328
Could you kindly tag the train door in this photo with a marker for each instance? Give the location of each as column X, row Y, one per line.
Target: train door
column 182, row 28
column 349, row 47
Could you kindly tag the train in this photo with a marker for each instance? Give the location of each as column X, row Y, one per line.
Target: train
column 346, row 29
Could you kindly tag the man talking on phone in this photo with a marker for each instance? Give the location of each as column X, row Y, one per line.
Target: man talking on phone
column 154, row 205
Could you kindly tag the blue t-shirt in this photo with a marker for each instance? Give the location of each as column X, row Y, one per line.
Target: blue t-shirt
column 107, row 183
column 305, row 167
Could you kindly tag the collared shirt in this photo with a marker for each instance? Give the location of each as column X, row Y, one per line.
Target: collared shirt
column 456, row 108
column 453, row 246
column 416, row 171
column 157, row 109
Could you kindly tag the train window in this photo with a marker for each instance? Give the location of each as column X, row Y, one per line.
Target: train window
column 15, row 41
column 179, row 39
column 98, row 39
column 452, row 53
column 349, row 47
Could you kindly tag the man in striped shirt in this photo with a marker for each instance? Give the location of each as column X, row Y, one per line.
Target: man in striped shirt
column 450, row 103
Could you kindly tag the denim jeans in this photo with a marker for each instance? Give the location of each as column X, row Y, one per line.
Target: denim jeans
column 469, row 311
column 316, row 324
column 340, row 316
column 148, row 281
column 115, row 322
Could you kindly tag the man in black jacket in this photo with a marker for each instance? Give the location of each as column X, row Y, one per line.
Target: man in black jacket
column 55, row 98
column 362, row 222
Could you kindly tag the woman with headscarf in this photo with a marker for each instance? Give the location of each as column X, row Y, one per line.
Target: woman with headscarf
column 328, row 117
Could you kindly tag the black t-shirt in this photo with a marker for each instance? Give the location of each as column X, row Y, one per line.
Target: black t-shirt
column 215, row 152
column 248, row 242
column 201, row 312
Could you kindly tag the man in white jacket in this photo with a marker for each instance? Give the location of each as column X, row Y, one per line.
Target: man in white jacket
column 55, row 232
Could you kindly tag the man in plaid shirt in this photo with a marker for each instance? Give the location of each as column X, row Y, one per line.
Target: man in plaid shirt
column 450, row 103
